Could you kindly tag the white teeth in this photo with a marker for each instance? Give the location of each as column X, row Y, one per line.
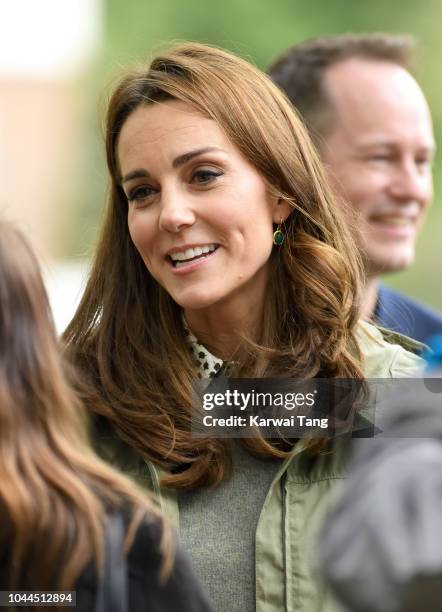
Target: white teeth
column 191, row 253
column 180, row 264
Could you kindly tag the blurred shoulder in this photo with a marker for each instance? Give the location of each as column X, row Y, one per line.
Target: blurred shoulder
column 179, row 591
column 387, row 354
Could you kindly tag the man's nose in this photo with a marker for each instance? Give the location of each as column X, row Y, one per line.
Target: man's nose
column 412, row 182
column 176, row 211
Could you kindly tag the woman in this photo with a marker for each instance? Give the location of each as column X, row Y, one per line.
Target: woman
column 221, row 250
column 57, row 499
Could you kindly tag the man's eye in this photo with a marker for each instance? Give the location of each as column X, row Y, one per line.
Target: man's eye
column 203, row 177
column 140, row 194
column 380, row 158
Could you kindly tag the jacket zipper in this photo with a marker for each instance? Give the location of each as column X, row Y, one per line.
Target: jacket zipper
column 284, row 553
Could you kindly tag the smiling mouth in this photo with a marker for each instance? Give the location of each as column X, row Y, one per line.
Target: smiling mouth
column 183, row 258
column 394, row 220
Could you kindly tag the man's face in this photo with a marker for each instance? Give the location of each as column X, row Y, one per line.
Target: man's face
column 378, row 156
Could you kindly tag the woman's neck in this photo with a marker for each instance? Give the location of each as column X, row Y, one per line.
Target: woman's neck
column 221, row 330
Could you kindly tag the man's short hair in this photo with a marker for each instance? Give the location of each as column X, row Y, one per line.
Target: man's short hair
column 299, row 71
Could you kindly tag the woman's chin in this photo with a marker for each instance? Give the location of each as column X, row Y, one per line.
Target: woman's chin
column 195, row 301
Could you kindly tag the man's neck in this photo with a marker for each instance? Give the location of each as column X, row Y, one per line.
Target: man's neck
column 370, row 297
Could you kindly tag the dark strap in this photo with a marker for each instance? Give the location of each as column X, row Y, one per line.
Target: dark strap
column 112, row 594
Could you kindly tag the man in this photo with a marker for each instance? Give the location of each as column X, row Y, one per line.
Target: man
column 372, row 126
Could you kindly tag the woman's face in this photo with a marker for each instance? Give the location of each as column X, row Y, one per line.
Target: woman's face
column 199, row 213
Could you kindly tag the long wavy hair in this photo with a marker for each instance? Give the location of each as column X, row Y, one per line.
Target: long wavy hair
column 54, row 492
column 127, row 334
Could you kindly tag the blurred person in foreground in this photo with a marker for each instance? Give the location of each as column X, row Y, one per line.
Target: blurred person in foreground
column 372, row 126
column 58, row 501
column 381, row 545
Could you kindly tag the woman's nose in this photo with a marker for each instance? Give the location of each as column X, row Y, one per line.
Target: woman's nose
column 176, row 212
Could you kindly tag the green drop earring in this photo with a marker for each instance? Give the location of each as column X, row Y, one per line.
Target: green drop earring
column 278, row 236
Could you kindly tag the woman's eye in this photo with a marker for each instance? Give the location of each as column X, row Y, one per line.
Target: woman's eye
column 139, row 194
column 202, row 177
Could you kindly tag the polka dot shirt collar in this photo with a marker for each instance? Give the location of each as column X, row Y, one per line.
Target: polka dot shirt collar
column 208, row 364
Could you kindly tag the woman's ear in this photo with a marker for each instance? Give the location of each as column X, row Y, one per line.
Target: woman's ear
column 281, row 210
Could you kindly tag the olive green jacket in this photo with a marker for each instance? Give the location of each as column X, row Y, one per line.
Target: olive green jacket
column 297, row 501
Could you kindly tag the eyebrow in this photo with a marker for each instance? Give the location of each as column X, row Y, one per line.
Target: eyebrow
column 176, row 163
column 391, row 144
column 185, row 157
column 138, row 173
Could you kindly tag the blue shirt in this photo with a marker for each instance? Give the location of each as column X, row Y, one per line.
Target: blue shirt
column 401, row 314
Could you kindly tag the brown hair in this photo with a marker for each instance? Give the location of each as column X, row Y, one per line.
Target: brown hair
column 127, row 335
column 300, row 70
column 54, row 492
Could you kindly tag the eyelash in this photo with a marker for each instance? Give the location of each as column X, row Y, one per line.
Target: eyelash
column 424, row 161
column 212, row 174
column 386, row 158
column 138, row 194
column 380, row 157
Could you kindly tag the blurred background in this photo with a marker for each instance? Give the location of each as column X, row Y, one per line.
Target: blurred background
column 59, row 58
